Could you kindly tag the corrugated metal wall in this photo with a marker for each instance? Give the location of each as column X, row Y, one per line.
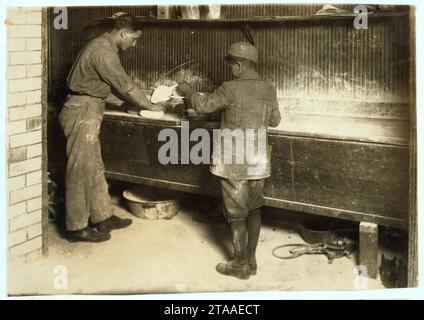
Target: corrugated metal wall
column 254, row 10
column 319, row 59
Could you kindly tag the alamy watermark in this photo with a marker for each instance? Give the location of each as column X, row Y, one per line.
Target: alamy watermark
column 60, row 20
column 361, row 20
column 238, row 146
column 60, row 279
column 360, row 282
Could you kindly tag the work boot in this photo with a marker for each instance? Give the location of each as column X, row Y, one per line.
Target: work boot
column 113, row 222
column 235, row 269
column 253, row 229
column 251, row 260
column 238, row 267
column 87, row 235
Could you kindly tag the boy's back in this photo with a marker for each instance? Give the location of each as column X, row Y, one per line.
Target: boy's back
column 245, row 103
column 252, row 103
column 248, row 105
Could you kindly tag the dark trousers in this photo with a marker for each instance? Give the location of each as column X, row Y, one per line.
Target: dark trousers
column 87, row 195
column 241, row 197
column 242, row 202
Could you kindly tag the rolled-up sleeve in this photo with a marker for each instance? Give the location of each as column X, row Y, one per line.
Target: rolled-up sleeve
column 212, row 102
column 108, row 65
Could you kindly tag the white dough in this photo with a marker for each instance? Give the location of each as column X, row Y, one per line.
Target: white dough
column 151, row 114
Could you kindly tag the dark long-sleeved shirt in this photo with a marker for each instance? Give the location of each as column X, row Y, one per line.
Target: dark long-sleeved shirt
column 245, row 103
column 98, row 68
column 232, row 95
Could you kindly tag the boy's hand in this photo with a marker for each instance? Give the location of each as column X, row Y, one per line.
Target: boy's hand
column 180, row 108
column 166, row 106
column 185, row 89
column 157, row 107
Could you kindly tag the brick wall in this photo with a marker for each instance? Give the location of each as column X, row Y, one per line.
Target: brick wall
column 24, row 133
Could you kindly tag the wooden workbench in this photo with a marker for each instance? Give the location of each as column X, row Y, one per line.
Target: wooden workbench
column 342, row 167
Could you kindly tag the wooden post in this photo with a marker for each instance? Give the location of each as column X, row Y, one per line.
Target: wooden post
column 368, row 247
column 413, row 225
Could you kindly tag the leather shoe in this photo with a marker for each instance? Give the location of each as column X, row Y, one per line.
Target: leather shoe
column 87, row 235
column 234, row 269
column 114, row 222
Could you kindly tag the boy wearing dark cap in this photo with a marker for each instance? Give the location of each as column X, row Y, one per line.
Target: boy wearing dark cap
column 249, row 105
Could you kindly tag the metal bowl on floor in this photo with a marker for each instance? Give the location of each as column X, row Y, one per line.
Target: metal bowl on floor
column 153, row 203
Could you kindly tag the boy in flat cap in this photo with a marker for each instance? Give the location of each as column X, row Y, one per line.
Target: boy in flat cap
column 247, row 103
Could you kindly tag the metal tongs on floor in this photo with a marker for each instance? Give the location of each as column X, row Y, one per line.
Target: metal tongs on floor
column 334, row 249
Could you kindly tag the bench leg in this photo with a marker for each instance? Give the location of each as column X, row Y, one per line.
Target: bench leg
column 368, row 247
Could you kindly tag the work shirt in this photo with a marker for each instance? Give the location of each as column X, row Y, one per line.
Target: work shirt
column 98, row 68
column 248, row 106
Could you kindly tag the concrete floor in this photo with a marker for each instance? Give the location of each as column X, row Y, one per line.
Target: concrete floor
column 175, row 256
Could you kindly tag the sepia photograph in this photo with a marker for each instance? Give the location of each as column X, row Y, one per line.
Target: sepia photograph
column 210, row 148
